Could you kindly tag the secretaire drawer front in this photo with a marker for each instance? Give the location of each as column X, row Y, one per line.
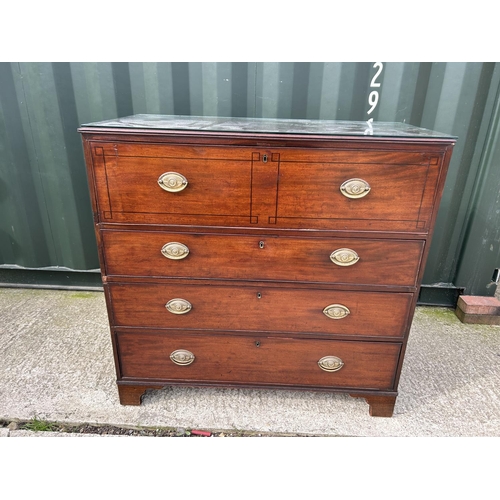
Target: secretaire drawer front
column 357, row 195
column 173, row 185
column 325, row 260
column 247, row 308
column 257, row 360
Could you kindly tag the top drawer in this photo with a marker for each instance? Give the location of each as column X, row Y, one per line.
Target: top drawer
column 271, row 188
column 172, row 185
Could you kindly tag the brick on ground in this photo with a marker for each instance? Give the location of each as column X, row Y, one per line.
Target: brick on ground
column 479, row 310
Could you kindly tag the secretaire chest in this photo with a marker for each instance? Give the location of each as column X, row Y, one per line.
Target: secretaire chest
column 262, row 253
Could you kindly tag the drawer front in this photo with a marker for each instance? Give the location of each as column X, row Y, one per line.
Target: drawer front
column 247, row 308
column 260, row 258
column 175, row 185
column 256, row 360
column 374, row 196
column 274, row 188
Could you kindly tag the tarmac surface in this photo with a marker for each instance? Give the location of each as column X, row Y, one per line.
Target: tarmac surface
column 57, row 366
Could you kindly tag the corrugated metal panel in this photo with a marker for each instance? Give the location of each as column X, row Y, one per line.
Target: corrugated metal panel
column 480, row 249
column 46, row 218
column 45, row 209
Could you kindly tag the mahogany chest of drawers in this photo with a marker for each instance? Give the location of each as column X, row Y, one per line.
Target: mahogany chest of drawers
column 262, row 253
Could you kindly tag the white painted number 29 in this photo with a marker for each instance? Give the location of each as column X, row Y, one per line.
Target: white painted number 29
column 373, row 97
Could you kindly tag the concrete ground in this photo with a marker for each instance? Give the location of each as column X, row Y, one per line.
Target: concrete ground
column 56, row 364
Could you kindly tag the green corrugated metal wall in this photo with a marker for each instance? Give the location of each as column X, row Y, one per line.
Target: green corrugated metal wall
column 45, row 210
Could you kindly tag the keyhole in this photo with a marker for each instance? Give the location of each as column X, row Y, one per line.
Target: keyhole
column 257, row 343
column 259, row 295
column 264, row 158
column 261, row 244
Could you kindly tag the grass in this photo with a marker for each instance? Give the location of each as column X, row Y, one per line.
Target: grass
column 82, row 295
column 38, row 425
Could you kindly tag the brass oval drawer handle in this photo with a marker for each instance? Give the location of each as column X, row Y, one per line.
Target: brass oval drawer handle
column 175, row 251
column 344, row 257
column 336, row 311
column 330, row 363
column 355, row 188
column 178, row 306
column 182, row 357
column 172, row 182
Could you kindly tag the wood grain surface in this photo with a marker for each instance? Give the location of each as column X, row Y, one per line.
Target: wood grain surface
column 368, row 365
column 268, row 308
column 263, row 257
